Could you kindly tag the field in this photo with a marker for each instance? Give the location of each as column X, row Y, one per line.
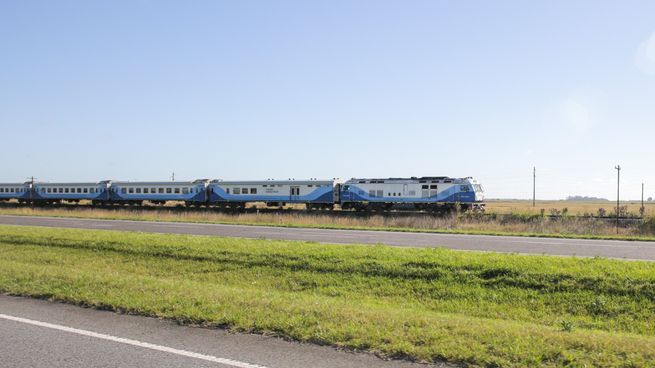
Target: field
column 505, row 206
column 503, row 218
column 478, row 309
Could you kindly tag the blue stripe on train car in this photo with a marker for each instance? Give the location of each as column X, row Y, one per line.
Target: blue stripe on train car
column 81, row 196
column 197, row 197
column 319, row 195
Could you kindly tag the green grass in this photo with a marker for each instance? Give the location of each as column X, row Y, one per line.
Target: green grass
column 480, row 309
column 423, row 224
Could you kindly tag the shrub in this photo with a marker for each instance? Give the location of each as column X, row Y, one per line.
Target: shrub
column 566, row 326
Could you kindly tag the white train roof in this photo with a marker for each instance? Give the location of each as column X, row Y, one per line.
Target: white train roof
column 157, row 183
column 273, row 182
column 413, row 179
column 70, row 184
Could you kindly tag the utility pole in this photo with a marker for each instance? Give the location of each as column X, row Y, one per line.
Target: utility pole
column 534, row 185
column 618, row 191
column 30, row 193
column 173, row 176
column 643, row 210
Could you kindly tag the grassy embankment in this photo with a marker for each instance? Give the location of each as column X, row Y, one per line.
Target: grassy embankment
column 425, row 304
column 520, row 224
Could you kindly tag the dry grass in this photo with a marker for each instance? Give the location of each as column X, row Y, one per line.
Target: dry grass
column 574, row 207
column 500, row 225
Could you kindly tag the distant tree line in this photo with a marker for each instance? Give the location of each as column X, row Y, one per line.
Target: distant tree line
column 585, row 198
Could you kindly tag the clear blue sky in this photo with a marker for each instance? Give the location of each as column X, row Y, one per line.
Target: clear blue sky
column 134, row 90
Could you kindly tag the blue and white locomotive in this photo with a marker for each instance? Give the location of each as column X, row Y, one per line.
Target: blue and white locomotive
column 425, row 193
column 416, row 193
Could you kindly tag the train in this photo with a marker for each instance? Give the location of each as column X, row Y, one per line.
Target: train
column 430, row 193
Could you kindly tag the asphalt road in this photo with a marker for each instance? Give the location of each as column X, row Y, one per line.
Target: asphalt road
column 39, row 334
column 633, row 250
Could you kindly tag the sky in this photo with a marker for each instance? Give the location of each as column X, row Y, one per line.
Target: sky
column 136, row 90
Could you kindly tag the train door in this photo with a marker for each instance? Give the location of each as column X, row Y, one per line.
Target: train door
column 433, row 190
column 425, row 191
column 294, row 192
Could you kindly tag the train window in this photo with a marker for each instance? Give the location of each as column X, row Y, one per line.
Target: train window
column 123, row 190
column 226, row 190
column 130, row 190
column 362, row 182
column 185, row 190
column 177, row 190
column 371, row 193
column 253, row 190
column 169, row 190
column 146, row 190
column 65, row 190
column 2, row 190
column 138, row 190
column 79, row 190
column 433, row 187
column 422, row 181
column 463, row 188
column 424, row 186
column 86, row 190
column 160, row 190
column 237, row 190
column 244, row 191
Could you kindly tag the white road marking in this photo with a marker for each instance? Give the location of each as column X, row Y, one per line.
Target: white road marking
column 146, row 345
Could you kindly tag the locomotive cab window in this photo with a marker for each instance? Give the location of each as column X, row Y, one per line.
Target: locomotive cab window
column 463, row 188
